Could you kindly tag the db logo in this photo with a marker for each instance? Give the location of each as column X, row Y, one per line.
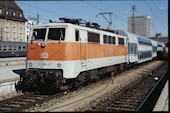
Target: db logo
column 44, row 55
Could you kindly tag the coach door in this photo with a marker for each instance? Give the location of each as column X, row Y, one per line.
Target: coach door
column 83, row 48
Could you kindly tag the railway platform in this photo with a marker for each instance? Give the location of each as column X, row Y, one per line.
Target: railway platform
column 12, row 61
column 163, row 100
column 8, row 76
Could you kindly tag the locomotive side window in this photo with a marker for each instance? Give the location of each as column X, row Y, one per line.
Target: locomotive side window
column 77, row 35
column 114, row 40
column 121, row 41
column 105, row 39
column 39, row 34
column 93, row 37
column 56, row 34
column 110, row 40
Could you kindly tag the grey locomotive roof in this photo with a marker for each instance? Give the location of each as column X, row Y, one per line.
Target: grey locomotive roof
column 11, row 6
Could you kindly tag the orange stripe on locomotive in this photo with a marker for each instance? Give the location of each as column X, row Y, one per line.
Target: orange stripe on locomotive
column 71, row 51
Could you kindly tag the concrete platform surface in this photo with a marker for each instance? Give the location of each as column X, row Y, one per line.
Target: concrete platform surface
column 8, row 73
column 12, row 61
column 163, row 101
column 12, row 58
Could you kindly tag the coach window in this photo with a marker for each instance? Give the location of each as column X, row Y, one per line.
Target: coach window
column 93, row 37
column 0, row 48
column 121, row 41
column 131, row 49
column 23, row 48
column 9, row 48
column 56, row 34
column 5, row 48
column 77, row 35
column 15, row 48
column 19, row 48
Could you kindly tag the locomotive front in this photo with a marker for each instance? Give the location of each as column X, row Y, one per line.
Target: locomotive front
column 46, row 52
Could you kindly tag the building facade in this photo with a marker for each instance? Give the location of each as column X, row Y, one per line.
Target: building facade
column 12, row 22
column 140, row 25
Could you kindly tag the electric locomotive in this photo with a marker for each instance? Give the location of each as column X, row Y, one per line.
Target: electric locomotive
column 66, row 54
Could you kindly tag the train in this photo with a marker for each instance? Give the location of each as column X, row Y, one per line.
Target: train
column 12, row 49
column 62, row 55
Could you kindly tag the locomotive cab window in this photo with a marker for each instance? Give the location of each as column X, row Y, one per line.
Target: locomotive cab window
column 38, row 34
column 56, row 34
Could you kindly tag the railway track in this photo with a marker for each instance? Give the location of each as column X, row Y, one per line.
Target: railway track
column 20, row 103
column 27, row 101
column 130, row 98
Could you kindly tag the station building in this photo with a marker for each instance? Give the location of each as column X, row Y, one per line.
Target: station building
column 12, row 22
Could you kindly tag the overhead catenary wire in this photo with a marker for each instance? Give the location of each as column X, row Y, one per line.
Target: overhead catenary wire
column 122, row 14
column 54, row 12
column 118, row 13
column 159, row 11
column 48, row 11
column 101, row 9
column 155, row 15
column 153, row 23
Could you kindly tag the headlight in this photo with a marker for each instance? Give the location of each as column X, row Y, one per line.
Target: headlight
column 58, row 65
column 43, row 45
column 30, row 64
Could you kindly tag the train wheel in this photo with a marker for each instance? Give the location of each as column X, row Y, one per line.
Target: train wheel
column 74, row 85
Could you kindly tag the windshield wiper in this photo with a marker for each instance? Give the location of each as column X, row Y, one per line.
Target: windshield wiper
column 61, row 36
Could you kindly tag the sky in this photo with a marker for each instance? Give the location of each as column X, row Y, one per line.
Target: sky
column 89, row 10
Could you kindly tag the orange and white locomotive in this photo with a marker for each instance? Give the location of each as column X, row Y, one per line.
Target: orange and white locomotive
column 64, row 55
